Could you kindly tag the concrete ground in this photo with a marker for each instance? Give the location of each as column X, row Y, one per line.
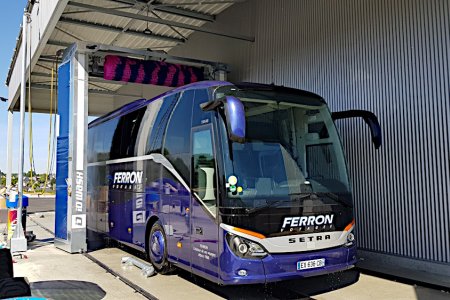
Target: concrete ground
column 46, row 263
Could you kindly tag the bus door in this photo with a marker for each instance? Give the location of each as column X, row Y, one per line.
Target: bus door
column 176, row 181
column 179, row 237
column 205, row 232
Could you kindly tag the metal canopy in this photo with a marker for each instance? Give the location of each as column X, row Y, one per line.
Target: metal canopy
column 171, row 10
column 135, row 16
column 144, row 29
column 120, row 30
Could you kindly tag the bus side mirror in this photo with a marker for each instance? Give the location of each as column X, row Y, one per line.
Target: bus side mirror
column 234, row 115
column 368, row 117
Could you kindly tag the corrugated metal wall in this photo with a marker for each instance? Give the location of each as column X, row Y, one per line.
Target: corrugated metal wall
column 390, row 57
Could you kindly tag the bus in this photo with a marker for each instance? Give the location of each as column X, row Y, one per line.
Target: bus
column 237, row 183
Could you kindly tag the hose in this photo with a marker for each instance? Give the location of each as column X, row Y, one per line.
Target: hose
column 50, row 137
column 52, row 125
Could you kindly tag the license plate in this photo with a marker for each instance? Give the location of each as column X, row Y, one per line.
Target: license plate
column 310, row 264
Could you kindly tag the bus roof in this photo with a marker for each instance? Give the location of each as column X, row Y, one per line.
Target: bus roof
column 143, row 102
column 202, row 84
column 277, row 88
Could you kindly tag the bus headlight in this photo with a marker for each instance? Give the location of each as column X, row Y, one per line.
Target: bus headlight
column 245, row 248
column 350, row 239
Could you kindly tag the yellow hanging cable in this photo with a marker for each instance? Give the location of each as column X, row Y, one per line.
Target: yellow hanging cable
column 49, row 133
column 53, row 121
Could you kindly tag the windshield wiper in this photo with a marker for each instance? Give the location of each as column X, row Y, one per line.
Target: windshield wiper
column 329, row 195
column 275, row 203
column 334, row 197
column 256, row 209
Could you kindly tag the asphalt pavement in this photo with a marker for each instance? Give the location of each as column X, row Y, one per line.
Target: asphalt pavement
column 41, row 204
column 36, row 205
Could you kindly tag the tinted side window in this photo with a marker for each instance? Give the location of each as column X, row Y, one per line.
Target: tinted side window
column 199, row 116
column 91, row 151
column 177, row 139
column 107, row 132
column 130, row 131
column 100, row 139
column 124, row 138
column 204, row 169
column 155, row 139
column 148, row 125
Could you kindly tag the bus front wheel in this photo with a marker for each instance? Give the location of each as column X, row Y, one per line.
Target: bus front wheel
column 157, row 249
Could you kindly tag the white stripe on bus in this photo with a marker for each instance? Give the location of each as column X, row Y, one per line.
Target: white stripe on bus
column 159, row 159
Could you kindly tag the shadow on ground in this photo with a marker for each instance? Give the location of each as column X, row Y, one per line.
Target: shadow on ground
column 303, row 288
column 67, row 290
column 37, row 243
column 436, row 294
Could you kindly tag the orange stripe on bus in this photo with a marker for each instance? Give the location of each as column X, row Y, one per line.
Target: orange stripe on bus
column 349, row 226
column 252, row 233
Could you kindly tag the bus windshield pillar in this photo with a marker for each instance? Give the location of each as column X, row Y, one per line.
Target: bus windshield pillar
column 71, row 194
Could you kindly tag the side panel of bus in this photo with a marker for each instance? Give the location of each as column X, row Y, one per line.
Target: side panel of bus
column 125, row 148
column 119, row 208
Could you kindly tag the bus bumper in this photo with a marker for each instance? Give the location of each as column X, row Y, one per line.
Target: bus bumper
column 277, row 267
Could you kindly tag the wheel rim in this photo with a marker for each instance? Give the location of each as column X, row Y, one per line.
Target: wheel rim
column 157, row 246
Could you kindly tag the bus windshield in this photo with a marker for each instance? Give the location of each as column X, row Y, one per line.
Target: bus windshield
column 292, row 149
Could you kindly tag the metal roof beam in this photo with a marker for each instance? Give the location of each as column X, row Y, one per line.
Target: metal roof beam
column 58, row 43
column 91, row 78
column 201, row 2
column 99, row 48
column 91, row 91
column 160, row 21
column 171, row 10
column 47, row 59
column 184, row 13
column 67, row 44
column 85, row 11
column 120, row 30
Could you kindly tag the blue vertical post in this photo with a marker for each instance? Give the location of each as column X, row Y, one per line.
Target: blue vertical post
column 62, row 151
column 70, row 208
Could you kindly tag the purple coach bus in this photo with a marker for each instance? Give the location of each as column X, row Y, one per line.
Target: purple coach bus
column 237, row 183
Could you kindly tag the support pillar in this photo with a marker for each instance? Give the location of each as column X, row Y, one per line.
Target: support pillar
column 70, row 208
column 9, row 150
column 18, row 241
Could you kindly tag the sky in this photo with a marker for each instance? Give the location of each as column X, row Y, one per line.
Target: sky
column 11, row 13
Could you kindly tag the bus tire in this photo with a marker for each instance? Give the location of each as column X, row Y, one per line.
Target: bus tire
column 157, row 249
